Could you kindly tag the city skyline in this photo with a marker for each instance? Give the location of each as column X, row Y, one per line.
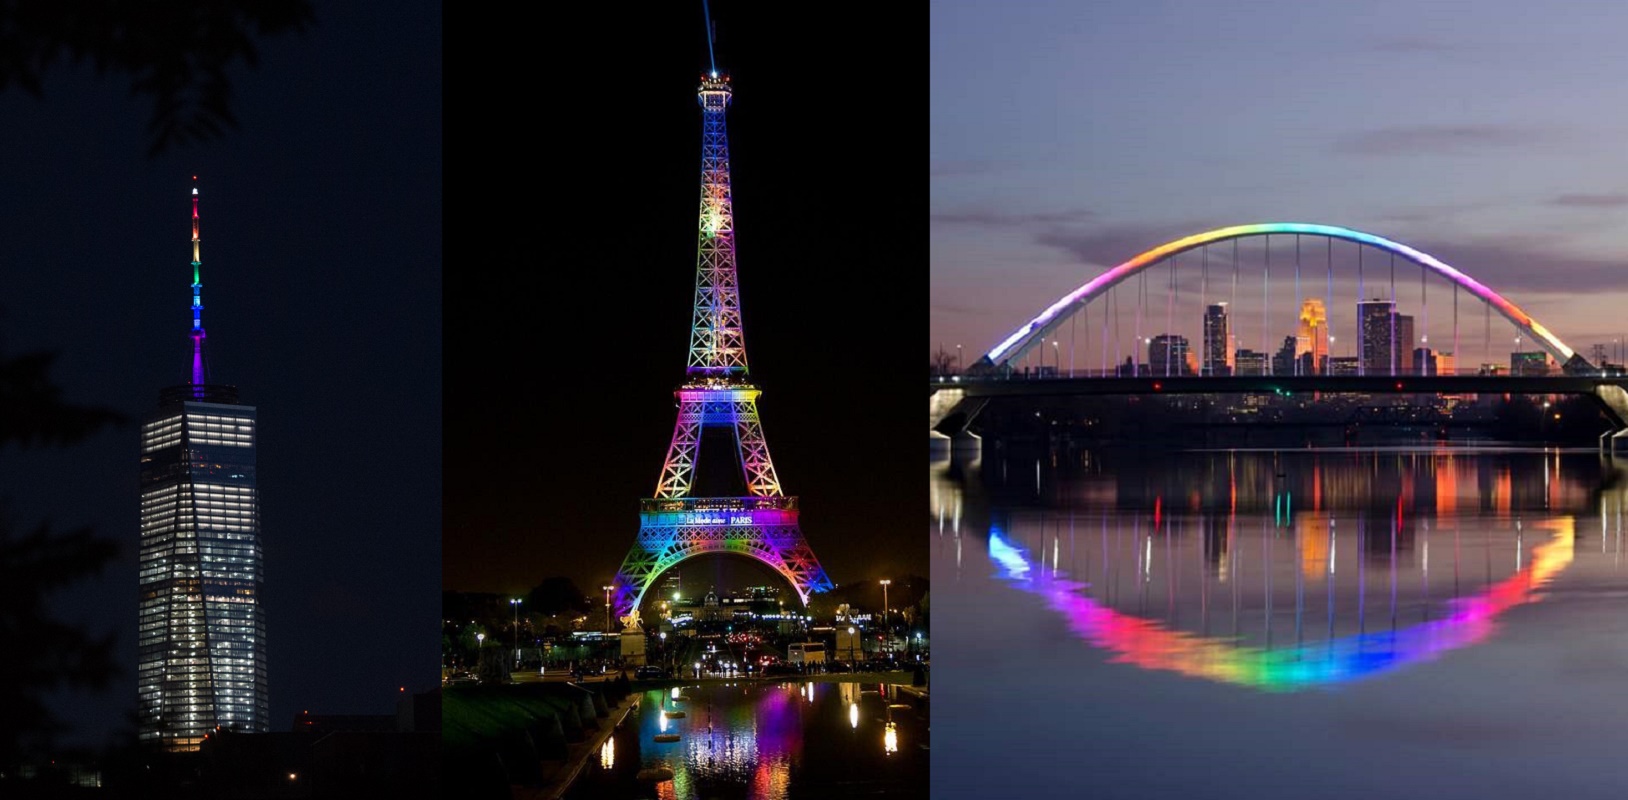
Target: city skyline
column 1090, row 160
column 1386, row 343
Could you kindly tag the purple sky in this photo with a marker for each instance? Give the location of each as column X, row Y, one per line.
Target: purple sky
column 1067, row 137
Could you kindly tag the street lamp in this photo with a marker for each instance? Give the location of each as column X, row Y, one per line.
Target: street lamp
column 884, row 583
column 607, row 608
column 850, row 644
column 480, row 641
column 958, row 365
column 515, row 604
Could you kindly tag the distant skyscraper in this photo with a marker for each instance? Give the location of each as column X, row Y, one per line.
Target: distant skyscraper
column 1285, row 362
column 1446, row 364
column 1313, row 335
column 201, row 640
column 1249, row 362
column 1342, row 365
column 1402, row 348
column 1168, row 355
column 1216, row 338
column 1374, row 335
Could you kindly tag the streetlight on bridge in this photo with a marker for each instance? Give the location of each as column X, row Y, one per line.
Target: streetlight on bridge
column 607, row 608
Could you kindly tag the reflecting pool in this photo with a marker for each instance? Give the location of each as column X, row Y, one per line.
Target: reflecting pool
column 765, row 741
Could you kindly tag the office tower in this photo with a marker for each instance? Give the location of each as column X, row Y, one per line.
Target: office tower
column 1284, row 362
column 1375, row 319
column 201, row 640
column 1216, row 338
column 1402, row 345
column 1312, row 336
column 1168, row 355
column 1249, row 362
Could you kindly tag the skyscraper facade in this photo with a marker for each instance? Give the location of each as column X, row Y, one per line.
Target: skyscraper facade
column 201, row 636
column 1376, row 318
column 1402, row 345
column 1312, row 338
column 1168, row 355
column 1216, row 342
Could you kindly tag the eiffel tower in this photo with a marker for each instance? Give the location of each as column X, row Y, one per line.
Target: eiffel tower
column 676, row 525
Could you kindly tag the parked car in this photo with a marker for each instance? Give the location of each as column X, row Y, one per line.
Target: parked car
column 649, row 673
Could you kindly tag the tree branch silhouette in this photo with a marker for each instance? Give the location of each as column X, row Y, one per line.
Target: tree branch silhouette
column 177, row 53
column 45, row 654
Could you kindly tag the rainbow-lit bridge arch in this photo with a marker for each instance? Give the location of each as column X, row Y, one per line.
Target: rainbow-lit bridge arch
column 1013, row 347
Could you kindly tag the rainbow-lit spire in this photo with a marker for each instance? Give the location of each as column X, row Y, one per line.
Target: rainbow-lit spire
column 200, row 365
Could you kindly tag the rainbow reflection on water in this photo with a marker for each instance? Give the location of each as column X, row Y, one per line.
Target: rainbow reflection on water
column 747, row 740
column 1151, row 644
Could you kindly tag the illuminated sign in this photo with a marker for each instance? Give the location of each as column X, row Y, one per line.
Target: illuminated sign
column 713, row 519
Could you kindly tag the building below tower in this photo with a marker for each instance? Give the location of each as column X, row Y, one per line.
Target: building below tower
column 201, row 645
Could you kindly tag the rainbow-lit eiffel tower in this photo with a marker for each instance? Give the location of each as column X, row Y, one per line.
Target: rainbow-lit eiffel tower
column 675, row 525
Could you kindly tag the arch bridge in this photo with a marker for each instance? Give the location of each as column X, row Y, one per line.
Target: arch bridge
column 1078, row 345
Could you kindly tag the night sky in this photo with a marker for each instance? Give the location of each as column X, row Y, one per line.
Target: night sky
column 321, row 244
column 585, row 312
column 1068, row 137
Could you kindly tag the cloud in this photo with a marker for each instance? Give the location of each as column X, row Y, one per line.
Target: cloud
column 1435, row 139
column 1436, row 214
column 997, row 219
column 1515, row 266
column 1528, row 264
column 1116, row 244
column 1414, row 44
column 941, row 169
column 1617, row 200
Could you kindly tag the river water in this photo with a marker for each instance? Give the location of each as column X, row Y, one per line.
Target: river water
column 765, row 741
column 1376, row 623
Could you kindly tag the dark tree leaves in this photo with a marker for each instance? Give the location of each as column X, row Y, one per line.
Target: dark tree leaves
column 176, row 53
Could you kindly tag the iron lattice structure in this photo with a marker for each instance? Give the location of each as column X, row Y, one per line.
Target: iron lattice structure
column 675, row 525
column 717, row 346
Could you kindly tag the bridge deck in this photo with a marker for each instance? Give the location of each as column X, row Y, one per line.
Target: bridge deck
column 1244, row 384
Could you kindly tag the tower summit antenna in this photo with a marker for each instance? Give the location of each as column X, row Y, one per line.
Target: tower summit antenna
column 710, row 57
column 200, row 367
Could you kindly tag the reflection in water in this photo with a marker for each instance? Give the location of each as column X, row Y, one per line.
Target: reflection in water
column 1155, row 622
column 1152, row 644
column 764, row 742
column 1283, row 571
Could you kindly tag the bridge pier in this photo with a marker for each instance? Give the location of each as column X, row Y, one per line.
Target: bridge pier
column 1613, row 400
column 949, row 412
